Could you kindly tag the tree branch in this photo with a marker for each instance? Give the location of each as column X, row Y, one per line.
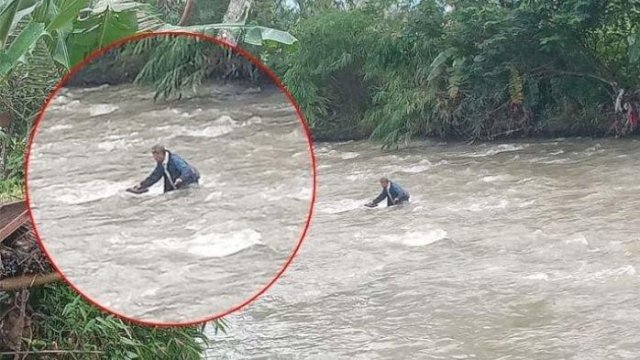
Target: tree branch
column 27, row 281
column 237, row 12
column 24, row 295
column 50, row 352
column 186, row 13
column 611, row 84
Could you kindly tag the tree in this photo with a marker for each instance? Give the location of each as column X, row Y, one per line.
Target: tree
column 237, row 12
column 466, row 69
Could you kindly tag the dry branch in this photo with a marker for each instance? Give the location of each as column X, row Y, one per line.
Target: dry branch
column 59, row 352
column 186, row 13
column 27, row 281
column 237, row 12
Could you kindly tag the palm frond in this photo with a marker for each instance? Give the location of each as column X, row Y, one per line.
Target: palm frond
column 148, row 17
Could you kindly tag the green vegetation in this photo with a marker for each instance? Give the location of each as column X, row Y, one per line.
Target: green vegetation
column 92, row 334
column 393, row 70
column 483, row 70
column 175, row 64
column 11, row 190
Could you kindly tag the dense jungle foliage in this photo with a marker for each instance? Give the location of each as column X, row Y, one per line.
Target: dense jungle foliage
column 467, row 69
column 393, row 70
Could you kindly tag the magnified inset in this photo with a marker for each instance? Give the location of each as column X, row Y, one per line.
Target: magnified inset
column 171, row 180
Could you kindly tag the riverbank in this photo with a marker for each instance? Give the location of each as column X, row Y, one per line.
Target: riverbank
column 241, row 87
column 348, row 103
column 339, row 130
column 114, row 69
column 349, row 130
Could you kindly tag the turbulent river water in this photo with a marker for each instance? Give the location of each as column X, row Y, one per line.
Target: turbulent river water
column 184, row 255
column 518, row 250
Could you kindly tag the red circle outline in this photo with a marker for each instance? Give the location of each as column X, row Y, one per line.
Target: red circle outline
column 238, row 51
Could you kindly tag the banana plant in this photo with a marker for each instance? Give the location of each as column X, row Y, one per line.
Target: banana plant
column 72, row 29
column 252, row 34
column 24, row 23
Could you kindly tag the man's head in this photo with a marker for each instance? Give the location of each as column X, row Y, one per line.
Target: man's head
column 384, row 182
column 158, row 152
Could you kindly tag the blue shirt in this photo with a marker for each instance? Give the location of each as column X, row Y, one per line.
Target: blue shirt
column 395, row 191
column 177, row 168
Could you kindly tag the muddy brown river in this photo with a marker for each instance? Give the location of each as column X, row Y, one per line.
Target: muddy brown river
column 519, row 250
column 185, row 255
column 514, row 250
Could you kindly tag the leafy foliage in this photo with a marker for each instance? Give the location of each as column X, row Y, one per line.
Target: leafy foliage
column 330, row 87
column 71, row 324
column 173, row 64
column 99, row 30
column 20, row 99
column 482, row 70
column 11, row 190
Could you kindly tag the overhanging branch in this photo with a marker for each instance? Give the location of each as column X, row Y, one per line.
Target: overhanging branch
column 612, row 84
column 186, row 13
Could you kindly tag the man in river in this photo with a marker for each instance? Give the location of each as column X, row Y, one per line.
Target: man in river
column 393, row 192
column 176, row 171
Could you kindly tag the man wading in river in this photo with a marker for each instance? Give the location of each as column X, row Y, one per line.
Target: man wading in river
column 177, row 173
column 394, row 194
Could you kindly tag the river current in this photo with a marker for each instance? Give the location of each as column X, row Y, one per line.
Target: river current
column 184, row 255
column 515, row 250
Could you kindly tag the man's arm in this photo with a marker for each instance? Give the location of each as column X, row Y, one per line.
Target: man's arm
column 153, row 178
column 380, row 197
column 183, row 169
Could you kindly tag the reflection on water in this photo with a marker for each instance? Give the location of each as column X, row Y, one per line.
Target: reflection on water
column 184, row 255
column 524, row 250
